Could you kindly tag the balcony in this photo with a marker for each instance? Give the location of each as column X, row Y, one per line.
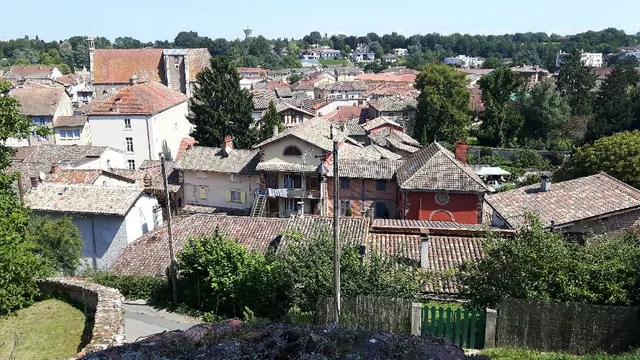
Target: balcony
column 293, row 193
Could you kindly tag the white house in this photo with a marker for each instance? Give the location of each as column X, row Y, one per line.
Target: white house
column 142, row 120
column 464, row 61
column 109, row 218
column 219, row 177
column 588, row 59
column 363, row 53
column 400, row 52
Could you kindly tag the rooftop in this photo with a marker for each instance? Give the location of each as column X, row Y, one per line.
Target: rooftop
column 116, row 66
column 70, row 121
column 393, row 103
column 139, row 99
column 39, row 101
column 82, row 199
column 316, row 131
column 567, row 202
column 385, row 77
column 200, row 158
column 29, row 72
column 345, row 113
column 436, row 168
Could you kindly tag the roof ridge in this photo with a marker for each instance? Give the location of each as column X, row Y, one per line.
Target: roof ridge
column 462, row 167
column 619, row 182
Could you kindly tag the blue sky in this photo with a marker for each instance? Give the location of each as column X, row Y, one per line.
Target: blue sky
column 163, row 19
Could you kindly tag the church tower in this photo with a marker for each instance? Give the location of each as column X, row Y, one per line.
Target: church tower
column 91, row 45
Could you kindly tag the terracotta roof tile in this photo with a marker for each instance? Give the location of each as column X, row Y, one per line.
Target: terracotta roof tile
column 567, row 202
column 116, row 66
column 40, row 101
column 435, row 168
column 29, row 72
column 185, row 144
column 82, row 199
column 200, row 158
column 70, row 121
column 406, row 78
column 140, row 99
column 74, row 176
column 199, row 59
column 345, row 113
column 394, row 104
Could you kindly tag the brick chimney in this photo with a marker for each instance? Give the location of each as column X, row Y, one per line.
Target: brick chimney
column 228, row 145
column 461, row 151
column 54, row 168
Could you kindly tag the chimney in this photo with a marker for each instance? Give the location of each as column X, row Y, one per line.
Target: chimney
column 133, row 80
column 228, row 145
column 545, row 184
column 424, row 248
column 461, row 151
column 34, row 181
column 275, row 130
column 54, row 168
column 147, row 180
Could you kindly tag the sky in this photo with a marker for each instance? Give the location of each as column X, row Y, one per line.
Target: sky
column 164, row 19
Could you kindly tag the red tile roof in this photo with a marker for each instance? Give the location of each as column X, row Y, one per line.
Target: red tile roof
column 69, row 79
column 246, row 70
column 39, row 101
column 475, row 99
column 199, row 59
column 29, row 72
column 406, row 78
column 116, row 66
column 140, row 99
column 344, row 114
column 185, row 144
column 567, row 202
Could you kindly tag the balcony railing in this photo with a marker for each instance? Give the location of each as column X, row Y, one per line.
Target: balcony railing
column 293, row 193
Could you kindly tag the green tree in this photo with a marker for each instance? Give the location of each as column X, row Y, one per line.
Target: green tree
column 269, row 121
column 443, row 104
column 614, row 111
column 308, row 261
column 220, row 107
column 493, row 63
column 292, row 62
column 545, row 113
column 617, row 155
column 541, row 264
column 293, row 78
column 575, row 82
column 501, row 120
column 58, row 242
column 19, row 265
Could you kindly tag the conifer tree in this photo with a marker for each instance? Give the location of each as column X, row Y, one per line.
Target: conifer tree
column 270, row 120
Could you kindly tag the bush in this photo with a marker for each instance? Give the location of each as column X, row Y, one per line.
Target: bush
column 529, row 159
column 136, row 287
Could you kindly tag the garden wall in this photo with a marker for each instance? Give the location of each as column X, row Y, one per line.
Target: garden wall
column 103, row 308
column 368, row 313
column 574, row 328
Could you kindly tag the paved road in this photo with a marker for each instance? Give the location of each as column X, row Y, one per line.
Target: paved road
column 141, row 321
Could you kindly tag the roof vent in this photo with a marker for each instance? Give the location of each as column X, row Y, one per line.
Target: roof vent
column 63, row 190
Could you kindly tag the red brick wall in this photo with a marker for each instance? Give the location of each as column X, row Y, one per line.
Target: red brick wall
column 355, row 196
column 461, row 208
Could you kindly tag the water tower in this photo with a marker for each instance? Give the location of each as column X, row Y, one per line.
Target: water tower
column 247, row 32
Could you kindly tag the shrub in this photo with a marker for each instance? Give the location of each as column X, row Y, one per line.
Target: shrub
column 136, row 287
column 528, row 159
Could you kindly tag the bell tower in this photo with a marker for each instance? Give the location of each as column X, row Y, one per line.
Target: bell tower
column 91, row 45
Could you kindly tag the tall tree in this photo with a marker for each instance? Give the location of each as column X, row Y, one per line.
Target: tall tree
column 220, row 107
column 19, row 265
column 614, row 111
column 269, row 121
column 545, row 113
column 575, row 82
column 501, row 121
column 443, row 104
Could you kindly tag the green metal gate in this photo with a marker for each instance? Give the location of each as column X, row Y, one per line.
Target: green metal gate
column 464, row 327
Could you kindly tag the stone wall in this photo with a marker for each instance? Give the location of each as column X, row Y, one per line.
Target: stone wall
column 103, row 308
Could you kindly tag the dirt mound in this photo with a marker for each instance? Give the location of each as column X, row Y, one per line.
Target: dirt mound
column 235, row 340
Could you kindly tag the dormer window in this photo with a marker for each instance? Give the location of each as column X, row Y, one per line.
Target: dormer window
column 292, row 151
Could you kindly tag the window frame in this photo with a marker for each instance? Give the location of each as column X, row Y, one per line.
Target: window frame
column 131, row 164
column 284, row 152
column 238, row 193
column 126, row 145
column 345, row 181
column 126, row 124
column 381, row 185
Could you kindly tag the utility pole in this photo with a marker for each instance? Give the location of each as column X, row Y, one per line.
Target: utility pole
column 174, row 275
column 336, row 228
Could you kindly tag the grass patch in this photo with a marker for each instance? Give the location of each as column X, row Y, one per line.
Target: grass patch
column 330, row 62
column 48, row 329
column 523, row 354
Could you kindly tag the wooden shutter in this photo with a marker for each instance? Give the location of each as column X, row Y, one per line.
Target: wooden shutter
column 203, row 193
column 227, row 196
column 243, row 197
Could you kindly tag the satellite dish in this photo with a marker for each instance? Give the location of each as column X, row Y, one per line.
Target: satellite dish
column 41, row 176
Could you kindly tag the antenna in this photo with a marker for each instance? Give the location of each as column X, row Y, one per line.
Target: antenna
column 247, row 32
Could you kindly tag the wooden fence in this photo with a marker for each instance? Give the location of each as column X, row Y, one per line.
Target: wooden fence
column 368, row 313
column 574, row 328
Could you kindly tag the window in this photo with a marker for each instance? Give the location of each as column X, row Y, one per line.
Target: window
column 292, row 151
column 271, row 181
column 129, row 144
column 442, row 198
column 76, row 134
column 127, row 124
column 291, row 204
column 292, row 181
column 131, row 164
column 381, row 185
column 69, row 134
column 236, row 196
column 345, row 183
column 381, row 210
column 202, row 193
column 63, row 134
column 235, row 178
column 345, row 205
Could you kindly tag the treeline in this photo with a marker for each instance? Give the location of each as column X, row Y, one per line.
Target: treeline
column 523, row 48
